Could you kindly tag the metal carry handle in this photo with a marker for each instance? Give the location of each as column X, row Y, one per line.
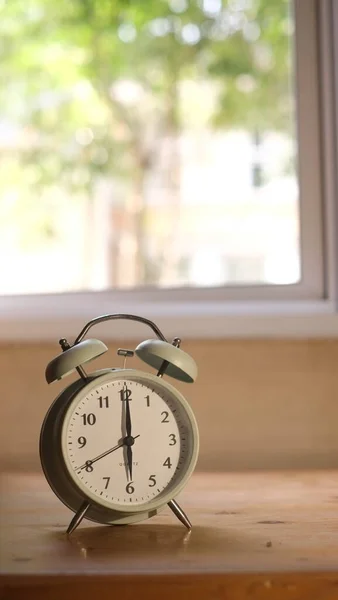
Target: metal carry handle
column 112, row 317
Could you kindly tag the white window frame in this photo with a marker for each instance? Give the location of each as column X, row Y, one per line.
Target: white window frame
column 308, row 308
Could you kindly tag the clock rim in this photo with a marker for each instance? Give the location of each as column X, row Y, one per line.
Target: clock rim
column 158, row 502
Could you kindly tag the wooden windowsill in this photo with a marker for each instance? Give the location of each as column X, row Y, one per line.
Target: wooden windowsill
column 256, row 535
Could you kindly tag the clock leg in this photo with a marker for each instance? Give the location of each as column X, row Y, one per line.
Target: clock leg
column 76, row 520
column 180, row 514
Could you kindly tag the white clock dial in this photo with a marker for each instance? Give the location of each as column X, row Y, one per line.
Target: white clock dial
column 95, row 444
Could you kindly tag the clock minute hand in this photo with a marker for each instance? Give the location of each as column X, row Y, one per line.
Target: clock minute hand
column 128, row 419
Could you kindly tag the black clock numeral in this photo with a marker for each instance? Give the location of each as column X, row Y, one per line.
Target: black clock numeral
column 103, row 402
column 125, row 394
column 165, row 418
column 81, row 441
column 173, row 439
column 107, row 482
column 148, row 400
column 89, row 467
column 130, row 489
column 89, row 419
column 167, row 463
column 153, row 481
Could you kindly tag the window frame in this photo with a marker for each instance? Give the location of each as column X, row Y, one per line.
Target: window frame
column 305, row 308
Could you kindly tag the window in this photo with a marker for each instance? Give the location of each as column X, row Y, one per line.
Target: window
column 170, row 145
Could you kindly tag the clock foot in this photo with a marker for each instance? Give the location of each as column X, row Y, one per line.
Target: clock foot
column 76, row 520
column 180, row 514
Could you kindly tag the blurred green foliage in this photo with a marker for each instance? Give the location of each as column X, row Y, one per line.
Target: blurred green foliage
column 90, row 88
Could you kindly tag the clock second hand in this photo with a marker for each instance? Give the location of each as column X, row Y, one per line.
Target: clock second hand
column 89, row 463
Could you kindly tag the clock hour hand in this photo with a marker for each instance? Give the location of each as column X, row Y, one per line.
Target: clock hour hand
column 130, row 461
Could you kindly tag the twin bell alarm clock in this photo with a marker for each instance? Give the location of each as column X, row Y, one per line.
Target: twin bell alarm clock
column 117, row 445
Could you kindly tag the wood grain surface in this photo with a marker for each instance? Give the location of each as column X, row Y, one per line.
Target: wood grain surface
column 256, row 535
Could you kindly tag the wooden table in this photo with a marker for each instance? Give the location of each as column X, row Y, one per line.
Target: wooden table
column 257, row 535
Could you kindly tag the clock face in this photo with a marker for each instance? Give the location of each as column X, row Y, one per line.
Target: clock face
column 129, row 440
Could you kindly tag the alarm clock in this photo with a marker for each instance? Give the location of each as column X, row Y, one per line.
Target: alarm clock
column 117, row 445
